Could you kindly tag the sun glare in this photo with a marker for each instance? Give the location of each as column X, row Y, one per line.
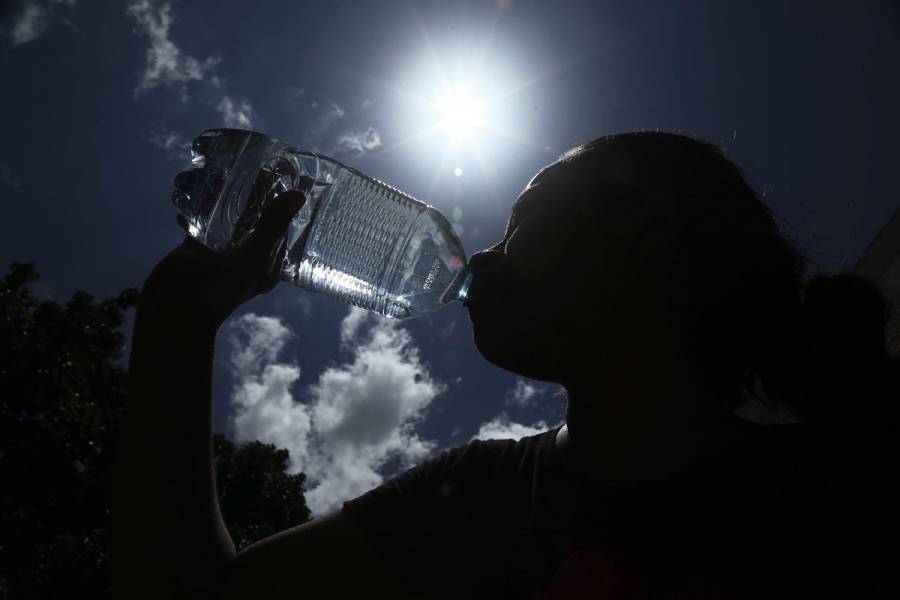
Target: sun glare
column 460, row 113
column 466, row 116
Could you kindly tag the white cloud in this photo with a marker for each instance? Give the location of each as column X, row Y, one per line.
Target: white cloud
column 501, row 428
column 235, row 114
column 527, row 392
column 175, row 143
column 263, row 406
column 385, row 387
column 256, row 342
column 265, row 409
column 7, row 178
column 29, row 24
column 351, row 325
column 33, row 19
column 357, row 143
column 523, row 394
column 165, row 62
column 354, row 418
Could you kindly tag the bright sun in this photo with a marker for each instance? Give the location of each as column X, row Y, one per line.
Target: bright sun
column 460, row 113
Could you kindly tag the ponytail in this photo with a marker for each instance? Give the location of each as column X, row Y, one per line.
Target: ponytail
column 833, row 367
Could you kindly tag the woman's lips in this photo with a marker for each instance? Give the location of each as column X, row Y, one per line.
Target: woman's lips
column 474, row 290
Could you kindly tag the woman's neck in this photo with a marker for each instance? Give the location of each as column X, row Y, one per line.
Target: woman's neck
column 632, row 440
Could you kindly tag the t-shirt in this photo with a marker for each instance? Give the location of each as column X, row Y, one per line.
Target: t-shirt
column 506, row 519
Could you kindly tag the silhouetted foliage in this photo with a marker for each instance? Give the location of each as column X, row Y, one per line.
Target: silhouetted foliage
column 63, row 390
column 257, row 496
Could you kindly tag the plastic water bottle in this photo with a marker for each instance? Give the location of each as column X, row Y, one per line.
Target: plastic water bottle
column 355, row 237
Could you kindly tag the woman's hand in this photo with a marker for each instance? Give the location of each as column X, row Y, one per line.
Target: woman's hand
column 203, row 287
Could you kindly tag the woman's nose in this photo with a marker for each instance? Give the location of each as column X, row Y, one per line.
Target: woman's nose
column 485, row 260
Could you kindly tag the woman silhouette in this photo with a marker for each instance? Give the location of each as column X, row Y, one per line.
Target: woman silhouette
column 642, row 273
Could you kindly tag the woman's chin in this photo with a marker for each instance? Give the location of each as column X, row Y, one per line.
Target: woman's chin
column 492, row 346
column 511, row 354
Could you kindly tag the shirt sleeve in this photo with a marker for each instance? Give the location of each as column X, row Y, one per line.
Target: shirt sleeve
column 425, row 523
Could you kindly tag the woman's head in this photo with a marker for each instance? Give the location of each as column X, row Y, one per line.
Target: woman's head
column 631, row 242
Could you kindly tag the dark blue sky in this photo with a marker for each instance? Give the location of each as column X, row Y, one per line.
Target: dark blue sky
column 803, row 95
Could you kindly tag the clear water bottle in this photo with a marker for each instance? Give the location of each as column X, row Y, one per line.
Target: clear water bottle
column 355, row 237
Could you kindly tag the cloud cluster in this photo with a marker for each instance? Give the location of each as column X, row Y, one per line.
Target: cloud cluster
column 353, row 419
column 33, row 19
column 167, row 66
column 165, row 63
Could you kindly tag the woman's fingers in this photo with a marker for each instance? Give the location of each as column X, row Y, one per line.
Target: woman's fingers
column 271, row 228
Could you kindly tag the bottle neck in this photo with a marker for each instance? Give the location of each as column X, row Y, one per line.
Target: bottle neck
column 459, row 289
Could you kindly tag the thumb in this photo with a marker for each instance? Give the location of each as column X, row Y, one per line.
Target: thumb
column 273, row 222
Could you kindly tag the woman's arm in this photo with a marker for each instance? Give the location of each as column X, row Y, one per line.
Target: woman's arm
column 168, row 537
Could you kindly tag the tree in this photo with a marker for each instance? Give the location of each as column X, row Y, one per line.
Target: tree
column 62, row 389
column 257, row 496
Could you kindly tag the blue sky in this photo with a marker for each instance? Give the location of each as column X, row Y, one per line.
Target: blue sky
column 100, row 99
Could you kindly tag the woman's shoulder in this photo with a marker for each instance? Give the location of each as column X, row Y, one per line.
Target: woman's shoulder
column 493, row 454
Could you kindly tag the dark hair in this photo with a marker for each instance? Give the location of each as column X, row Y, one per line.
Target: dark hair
column 736, row 282
column 844, row 367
